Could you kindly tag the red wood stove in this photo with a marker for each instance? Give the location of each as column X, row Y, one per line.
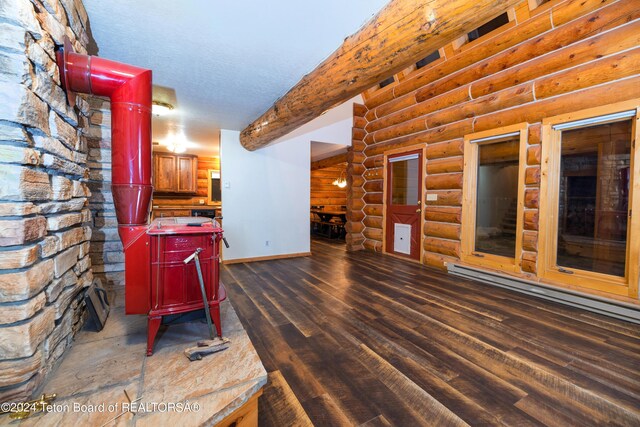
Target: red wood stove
column 157, row 281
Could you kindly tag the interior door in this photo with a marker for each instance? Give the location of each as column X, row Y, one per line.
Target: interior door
column 404, row 200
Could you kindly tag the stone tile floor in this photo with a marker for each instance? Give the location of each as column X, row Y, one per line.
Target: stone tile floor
column 100, row 366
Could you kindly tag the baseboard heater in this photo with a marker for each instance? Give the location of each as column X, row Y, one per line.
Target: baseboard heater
column 612, row 308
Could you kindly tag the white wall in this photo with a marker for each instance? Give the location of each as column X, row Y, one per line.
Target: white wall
column 267, row 198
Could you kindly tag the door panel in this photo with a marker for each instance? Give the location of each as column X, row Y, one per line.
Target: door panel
column 404, row 199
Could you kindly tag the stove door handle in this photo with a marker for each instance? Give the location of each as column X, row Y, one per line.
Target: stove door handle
column 224, row 239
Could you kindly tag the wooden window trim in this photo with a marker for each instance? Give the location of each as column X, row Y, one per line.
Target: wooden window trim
column 469, row 197
column 624, row 286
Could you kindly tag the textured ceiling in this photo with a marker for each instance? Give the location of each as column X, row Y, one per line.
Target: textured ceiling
column 222, row 63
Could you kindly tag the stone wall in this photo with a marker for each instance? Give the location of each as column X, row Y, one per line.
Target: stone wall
column 106, row 253
column 44, row 216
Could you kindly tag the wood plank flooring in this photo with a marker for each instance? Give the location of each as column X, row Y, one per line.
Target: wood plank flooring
column 364, row 339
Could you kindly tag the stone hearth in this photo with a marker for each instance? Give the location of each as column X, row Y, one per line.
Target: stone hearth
column 101, row 365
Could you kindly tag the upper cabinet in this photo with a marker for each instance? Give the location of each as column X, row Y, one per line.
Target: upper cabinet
column 173, row 173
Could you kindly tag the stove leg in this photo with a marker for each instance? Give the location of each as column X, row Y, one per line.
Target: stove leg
column 153, row 325
column 215, row 318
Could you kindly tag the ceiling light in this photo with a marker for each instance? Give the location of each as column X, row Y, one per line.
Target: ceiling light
column 160, row 108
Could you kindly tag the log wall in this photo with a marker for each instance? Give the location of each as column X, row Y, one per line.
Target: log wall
column 323, row 192
column 563, row 56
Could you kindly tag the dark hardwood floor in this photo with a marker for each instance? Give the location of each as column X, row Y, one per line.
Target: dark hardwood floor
column 359, row 338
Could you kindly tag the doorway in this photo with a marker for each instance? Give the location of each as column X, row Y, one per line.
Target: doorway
column 403, row 204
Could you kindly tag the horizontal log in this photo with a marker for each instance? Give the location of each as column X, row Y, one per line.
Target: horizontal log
column 374, row 186
column 594, row 73
column 530, row 241
column 444, row 165
column 437, row 260
column 507, row 98
column 355, row 216
column 357, row 181
column 394, row 105
column 607, row 93
column 445, row 198
column 443, row 214
column 355, row 204
column 580, row 29
column 373, row 174
column 368, row 139
column 354, row 227
column 443, row 230
column 528, row 263
column 329, row 194
column 373, row 210
column 372, row 162
column 359, row 122
column 622, row 38
column 357, row 169
column 429, row 75
column 359, row 110
column 358, row 134
column 395, row 38
column 531, row 219
column 568, row 11
column 371, row 115
column 373, row 198
column 356, row 192
column 358, row 146
column 531, row 198
column 441, row 150
column 442, row 246
column 373, row 245
column 328, row 201
column 441, row 102
column 401, row 129
column 533, row 154
column 325, row 173
column 373, row 221
column 532, row 175
column 356, row 157
column 446, row 181
column 430, row 136
column 329, row 161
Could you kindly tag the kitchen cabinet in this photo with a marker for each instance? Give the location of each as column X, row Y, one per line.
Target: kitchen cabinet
column 175, row 173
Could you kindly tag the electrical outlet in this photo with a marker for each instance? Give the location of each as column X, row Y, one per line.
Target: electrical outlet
column 266, row 243
column 201, row 201
column 227, row 184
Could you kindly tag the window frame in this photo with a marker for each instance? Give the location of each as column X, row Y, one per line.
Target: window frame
column 468, row 254
column 549, row 204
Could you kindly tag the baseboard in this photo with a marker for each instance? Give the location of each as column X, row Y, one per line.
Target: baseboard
column 265, row 258
column 608, row 307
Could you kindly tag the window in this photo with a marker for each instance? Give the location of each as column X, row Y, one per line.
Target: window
column 215, row 192
column 493, row 197
column 387, row 82
column 588, row 197
column 483, row 29
column 428, row 59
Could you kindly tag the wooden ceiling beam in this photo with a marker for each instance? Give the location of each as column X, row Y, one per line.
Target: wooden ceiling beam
column 329, row 161
column 402, row 33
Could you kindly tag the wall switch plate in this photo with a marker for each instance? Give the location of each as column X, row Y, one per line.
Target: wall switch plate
column 266, row 243
column 431, row 197
column 227, row 184
column 201, row 201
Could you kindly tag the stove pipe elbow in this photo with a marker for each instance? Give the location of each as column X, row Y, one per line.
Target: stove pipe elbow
column 130, row 90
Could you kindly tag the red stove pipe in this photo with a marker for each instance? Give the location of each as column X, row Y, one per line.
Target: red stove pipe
column 130, row 91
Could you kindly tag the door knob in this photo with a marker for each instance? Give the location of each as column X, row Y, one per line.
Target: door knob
column 418, row 210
